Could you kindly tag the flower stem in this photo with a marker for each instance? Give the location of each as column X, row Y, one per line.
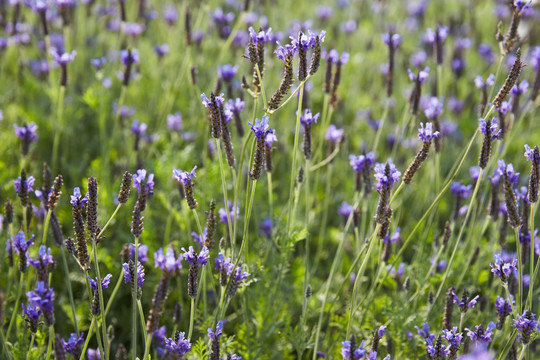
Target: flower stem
column 59, row 127
column 51, row 337
column 115, row 291
column 294, row 154
column 17, row 302
column 191, row 318
column 101, row 300
column 146, row 355
column 224, row 188
column 529, row 303
column 88, row 337
column 519, row 300
column 46, row 227
column 134, row 304
column 70, row 291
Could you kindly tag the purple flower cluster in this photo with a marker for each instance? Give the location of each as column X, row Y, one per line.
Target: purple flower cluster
column 185, row 177
column 361, row 162
column 480, row 335
column 421, row 77
column 144, row 186
column 383, row 179
column 167, row 261
column 196, row 259
column 426, row 134
column 27, row 133
column 178, row 345
column 460, row 190
column 308, row 118
column 502, row 268
column 481, row 84
column 260, row 128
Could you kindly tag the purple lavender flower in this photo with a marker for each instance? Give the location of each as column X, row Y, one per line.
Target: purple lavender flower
column 361, row 162
column 174, row 121
column 133, row 29
column 219, row 331
column 222, row 212
column 486, row 52
column 129, row 57
column 42, row 297
column 460, row 190
column 74, row 344
column 224, row 264
column 503, row 306
column 200, row 239
column 20, row 243
column 227, row 72
column 520, row 89
column 24, row 186
column 308, row 118
column 143, row 253
column 283, row 51
column 345, row 210
column 513, row 177
column 104, row 282
column 27, row 133
column 435, row 349
column 324, row 12
column 32, row 314
column 426, row 134
column 43, row 262
column 333, row 134
column 138, row 128
column 481, row 84
column 260, row 37
column 454, row 339
column 466, row 302
column 184, row 176
column 161, row 50
column 63, row 59
column 167, row 261
column 196, row 259
column 352, row 354
column 424, row 332
column 526, row 325
column 265, row 227
column 140, row 274
column 421, row 77
column 480, row 335
column 178, row 345
column 474, row 173
column 93, row 354
column 418, row 59
column 142, row 184
column 170, row 14
column 394, row 39
column 502, row 268
column 98, row 63
column 383, row 179
column 431, row 35
column 535, row 58
column 348, row 27
column 433, row 108
column 260, row 128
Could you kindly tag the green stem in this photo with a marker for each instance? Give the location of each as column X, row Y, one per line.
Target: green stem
column 115, row 291
column 261, row 83
column 33, row 338
column 101, row 299
column 522, row 353
column 70, row 291
column 51, row 337
column 17, row 302
column 46, row 227
column 109, row 221
column 146, row 355
column 59, row 127
column 141, row 319
column 134, row 304
column 88, row 337
column 381, row 125
column 224, row 188
column 529, row 303
column 294, row 154
column 191, row 318
column 519, row 300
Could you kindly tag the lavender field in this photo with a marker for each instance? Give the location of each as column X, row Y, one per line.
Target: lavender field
column 236, row 179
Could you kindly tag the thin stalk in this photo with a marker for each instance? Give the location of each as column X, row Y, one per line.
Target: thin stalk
column 33, row 338
column 270, row 197
column 88, row 337
column 134, row 304
column 467, row 215
column 49, row 345
column 109, row 221
column 519, row 300
column 146, row 355
column 46, row 227
column 261, row 83
column 70, row 291
column 299, row 88
column 359, row 275
column 522, row 353
column 306, row 225
column 59, row 126
column 294, row 154
column 381, row 125
column 191, row 318
column 113, row 295
column 224, row 188
column 325, row 212
column 326, row 161
column 529, row 303
column 330, row 279
column 101, row 299
column 505, row 285
column 17, row 302
column 141, row 319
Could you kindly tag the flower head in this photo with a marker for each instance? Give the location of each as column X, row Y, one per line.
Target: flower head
column 143, row 184
column 465, row 303
column 503, row 306
column 27, row 185
column 393, row 39
column 333, row 134
column 184, row 176
column 227, row 72
column 460, row 190
column 178, row 345
column 362, row 162
column 174, row 121
column 129, row 56
column 63, row 59
column 138, row 128
column 502, row 268
column 355, row 354
column 426, row 134
column 386, row 174
column 481, row 84
column 480, row 335
column 434, row 108
column 260, row 127
column 167, row 261
column 308, row 118
column 140, row 274
column 526, row 325
column 20, row 243
column 520, row 89
column 421, row 77
column 219, row 331
column 196, row 259
column 74, row 343
column 27, row 132
column 104, row 282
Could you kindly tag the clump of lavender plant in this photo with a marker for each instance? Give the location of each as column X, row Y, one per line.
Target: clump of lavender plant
column 527, row 326
column 196, row 261
column 186, row 178
column 74, row 344
column 481, row 335
column 41, row 299
column 177, row 346
column 426, row 135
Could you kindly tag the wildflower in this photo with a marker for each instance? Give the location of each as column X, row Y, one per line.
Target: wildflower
column 454, row 339
column 225, row 267
column 386, row 175
column 349, row 351
column 42, row 298
column 436, row 350
column 502, row 268
column 260, row 130
column 362, row 165
column 178, row 345
column 21, row 245
column 214, row 105
column 167, row 261
column 466, row 302
column 483, row 86
column 23, row 186
column 74, row 344
column 480, row 335
column 32, row 316
column 534, row 156
column 28, row 134
column 214, row 338
column 129, row 58
column 345, row 210
column 491, row 132
column 123, row 195
column 62, row 59
column 174, row 122
column 448, row 309
column 161, row 50
column 392, row 41
column 94, row 285
column 416, row 94
column 186, row 178
column 526, row 325
column 504, row 308
column 196, row 261
column 426, row 134
column 424, row 332
column 336, row 78
column 144, row 186
column 437, row 38
column 510, row 81
column 307, row 121
column 510, row 178
column 265, row 227
column 43, row 263
column 129, row 274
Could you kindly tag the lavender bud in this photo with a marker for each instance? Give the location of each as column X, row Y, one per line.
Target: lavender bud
column 160, row 295
column 70, row 246
column 511, row 80
column 56, row 230
column 123, row 195
column 534, row 177
column 192, row 279
column 56, row 192
column 187, row 26
column 137, row 221
column 315, row 57
column 177, row 314
column 302, row 62
column 511, row 203
column 211, row 225
column 91, row 209
column 286, row 82
column 448, row 308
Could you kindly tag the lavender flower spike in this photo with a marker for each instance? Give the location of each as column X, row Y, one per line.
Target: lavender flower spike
column 28, row 134
column 502, row 268
column 426, row 134
column 527, row 326
column 186, row 178
column 534, row 156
